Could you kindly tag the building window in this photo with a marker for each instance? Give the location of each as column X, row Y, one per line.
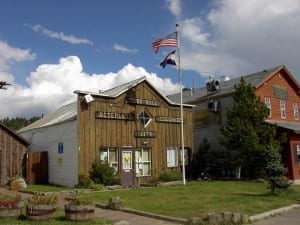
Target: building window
column 172, row 157
column 143, row 162
column 298, row 152
column 282, row 109
column 127, row 160
column 186, row 157
column 109, row 156
column 296, row 111
column 144, row 118
column 268, row 104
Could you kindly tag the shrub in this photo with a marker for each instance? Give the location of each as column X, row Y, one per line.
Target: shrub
column 170, row 175
column 103, row 174
column 84, row 181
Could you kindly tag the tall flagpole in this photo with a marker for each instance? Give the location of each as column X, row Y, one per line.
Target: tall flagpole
column 181, row 109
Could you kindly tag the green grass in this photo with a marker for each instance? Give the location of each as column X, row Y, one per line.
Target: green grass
column 46, row 188
column 197, row 198
column 194, row 199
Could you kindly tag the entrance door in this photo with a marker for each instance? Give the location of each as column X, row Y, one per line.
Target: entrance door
column 127, row 167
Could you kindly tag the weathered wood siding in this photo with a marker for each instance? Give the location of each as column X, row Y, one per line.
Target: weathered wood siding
column 11, row 155
column 94, row 133
column 35, row 167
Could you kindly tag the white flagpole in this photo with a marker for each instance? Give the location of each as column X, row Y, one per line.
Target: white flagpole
column 181, row 109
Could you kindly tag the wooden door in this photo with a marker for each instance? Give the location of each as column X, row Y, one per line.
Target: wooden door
column 127, row 167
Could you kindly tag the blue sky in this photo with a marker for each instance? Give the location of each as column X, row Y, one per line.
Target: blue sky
column 50, row 48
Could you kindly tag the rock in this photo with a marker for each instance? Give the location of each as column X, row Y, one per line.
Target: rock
column 122, row 222
column 18, row 184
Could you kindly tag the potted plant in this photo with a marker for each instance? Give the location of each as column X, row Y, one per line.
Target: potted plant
column 10, row 205
column 41, row 206
column 80, row 207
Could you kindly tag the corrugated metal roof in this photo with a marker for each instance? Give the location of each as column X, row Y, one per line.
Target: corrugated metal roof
column 69, row 112
column 287, row 125
column 64, row 113
column 117, row 91
column 225, row 87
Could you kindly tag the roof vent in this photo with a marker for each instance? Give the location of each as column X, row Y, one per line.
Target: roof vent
column 212, row 86
column 224, row 78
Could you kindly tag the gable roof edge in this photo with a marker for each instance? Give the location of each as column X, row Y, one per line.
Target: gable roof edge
column 15, row 134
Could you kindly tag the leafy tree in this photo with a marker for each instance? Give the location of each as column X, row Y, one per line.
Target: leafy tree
column 245, row 133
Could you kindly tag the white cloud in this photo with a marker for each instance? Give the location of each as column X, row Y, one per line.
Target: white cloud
column 60, row 35
column 193, row 32
column 174, row 6
column 239, row 37
column 9, row 55
column 52, row 85
column 122, row 48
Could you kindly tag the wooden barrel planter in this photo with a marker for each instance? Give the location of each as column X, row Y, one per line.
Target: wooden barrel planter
column 79, row 212
column 40, row 212
column 11, row 210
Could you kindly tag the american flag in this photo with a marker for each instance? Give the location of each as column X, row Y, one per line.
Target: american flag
column 168, row 41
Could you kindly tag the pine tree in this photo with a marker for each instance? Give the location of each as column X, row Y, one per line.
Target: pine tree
column 245, row 134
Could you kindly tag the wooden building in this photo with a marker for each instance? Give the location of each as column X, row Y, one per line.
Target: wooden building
column 133, row 128
column 12, row 150
column 276, row 87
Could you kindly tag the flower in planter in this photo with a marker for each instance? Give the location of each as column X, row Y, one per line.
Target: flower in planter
column 43, row 199
column 80, row 207
column 80, row 198
column 8, row 201
column 41, row 206
column 10, row 205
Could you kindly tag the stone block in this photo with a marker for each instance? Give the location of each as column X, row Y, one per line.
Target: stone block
column 122, row 222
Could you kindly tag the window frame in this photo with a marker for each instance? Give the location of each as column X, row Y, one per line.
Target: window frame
column 141, row 119
column 296, row 110
column 174, row 162
column 268, row 105
column 107, row 150
column 282, row 109
column 297, row 153
column 186, row 156
column 139, row 164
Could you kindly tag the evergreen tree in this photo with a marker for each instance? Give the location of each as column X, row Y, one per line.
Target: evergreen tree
column 18, row 122
column 245, row 133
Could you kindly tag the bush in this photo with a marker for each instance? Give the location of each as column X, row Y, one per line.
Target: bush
column 170, row 175
column 103, row 174
column 278, row 184
column 84, row 181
